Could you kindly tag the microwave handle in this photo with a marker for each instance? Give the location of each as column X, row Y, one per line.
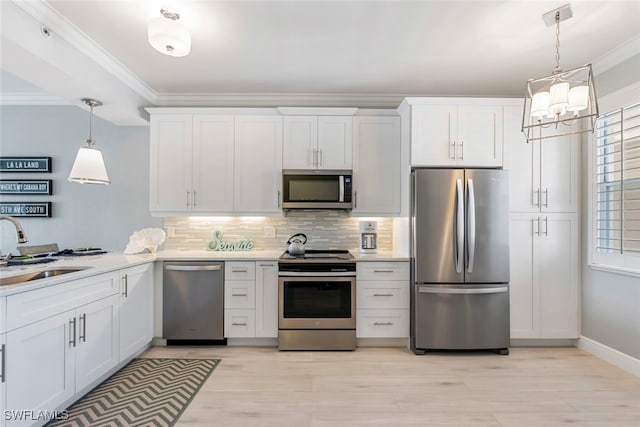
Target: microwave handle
column 341, row 183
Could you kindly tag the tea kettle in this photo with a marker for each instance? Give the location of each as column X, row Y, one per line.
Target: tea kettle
column 296, row 244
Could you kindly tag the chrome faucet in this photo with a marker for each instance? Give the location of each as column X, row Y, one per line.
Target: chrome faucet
column 22, row 237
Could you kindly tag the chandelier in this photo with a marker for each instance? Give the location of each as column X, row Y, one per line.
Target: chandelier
column 565, row 102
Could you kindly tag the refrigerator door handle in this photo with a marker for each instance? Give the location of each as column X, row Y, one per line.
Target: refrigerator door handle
column 440, row 290
column 471, row 218
column 459, row 249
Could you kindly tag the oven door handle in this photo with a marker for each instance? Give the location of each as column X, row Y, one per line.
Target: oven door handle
column 317, row 274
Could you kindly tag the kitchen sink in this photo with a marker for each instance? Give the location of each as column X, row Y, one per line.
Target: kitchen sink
column 35, row 275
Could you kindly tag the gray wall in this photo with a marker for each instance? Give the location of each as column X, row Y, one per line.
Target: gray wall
column 83, row 215
column 610, row 302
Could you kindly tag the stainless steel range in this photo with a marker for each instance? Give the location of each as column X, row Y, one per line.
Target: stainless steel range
column 317, row 301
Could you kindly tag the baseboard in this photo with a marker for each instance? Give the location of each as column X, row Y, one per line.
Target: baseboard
column 252, row 342
column 382, row 342
column 611, row 355
column 543, row 342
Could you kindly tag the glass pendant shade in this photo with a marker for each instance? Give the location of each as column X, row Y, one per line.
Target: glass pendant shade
column 578, row 98
column 540, row 104
column 89, row 168
column 168, row 36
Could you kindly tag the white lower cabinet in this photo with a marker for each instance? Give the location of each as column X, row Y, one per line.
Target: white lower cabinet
column 62, row 339
column 40, row 365
column 251, row 299
column 62, row 354
column 266, row 299
column 136, row 309
column 382, row 300
column 544, row 287
column 3, row 384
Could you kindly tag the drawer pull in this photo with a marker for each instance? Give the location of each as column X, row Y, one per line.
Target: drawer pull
column 239, row 324
column 266, row 265
column 382, row 323
column 382, row 295
column 238, row 295
column 384, row 271
column 239, row 270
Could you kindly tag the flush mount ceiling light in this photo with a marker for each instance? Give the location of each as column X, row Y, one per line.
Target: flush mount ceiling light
column 565, row 102
column 169, row 36
column 89, row 166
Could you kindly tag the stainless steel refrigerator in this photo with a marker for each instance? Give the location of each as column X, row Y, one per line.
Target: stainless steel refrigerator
column 459, row 260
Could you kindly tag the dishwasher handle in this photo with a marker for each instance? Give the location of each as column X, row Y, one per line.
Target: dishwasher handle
column 193, row 267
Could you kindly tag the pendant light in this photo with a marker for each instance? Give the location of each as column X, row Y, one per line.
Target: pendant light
column 88, row 167
column 565, row 102
column 168, row 36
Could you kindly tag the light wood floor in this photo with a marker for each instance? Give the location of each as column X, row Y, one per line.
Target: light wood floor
column 392, row 387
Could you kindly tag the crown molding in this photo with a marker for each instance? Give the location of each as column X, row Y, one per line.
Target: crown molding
column 278, row 100
column 626, row 50
column 32, row 98
column 47, row 15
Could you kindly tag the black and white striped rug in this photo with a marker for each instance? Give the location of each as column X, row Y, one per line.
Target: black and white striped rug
column 146, row 392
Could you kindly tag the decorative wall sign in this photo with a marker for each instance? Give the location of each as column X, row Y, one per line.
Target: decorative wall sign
column 216, row 243
column 25, row 186
column 27, row 209
column 25, row 164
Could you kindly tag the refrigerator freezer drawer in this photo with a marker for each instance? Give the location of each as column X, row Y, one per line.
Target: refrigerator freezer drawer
column 460, row 317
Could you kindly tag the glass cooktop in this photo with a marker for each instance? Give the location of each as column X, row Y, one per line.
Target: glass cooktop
column 315, row 254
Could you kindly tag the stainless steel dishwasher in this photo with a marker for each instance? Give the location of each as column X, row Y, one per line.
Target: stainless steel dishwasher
column 193, row 300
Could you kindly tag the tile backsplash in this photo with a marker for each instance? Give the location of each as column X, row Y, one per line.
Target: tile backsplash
column 324, row 230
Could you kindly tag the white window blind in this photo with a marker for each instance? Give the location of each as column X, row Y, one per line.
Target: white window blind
column 617, row 192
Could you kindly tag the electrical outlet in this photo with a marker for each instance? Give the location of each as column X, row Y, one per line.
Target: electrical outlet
column 269, row 232
column 171, row 231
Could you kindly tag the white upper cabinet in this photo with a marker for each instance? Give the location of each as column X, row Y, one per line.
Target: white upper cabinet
column 543, row 174
column 212, row 172
column 188, row 154
column 456, row 132
column 376, row 165
column 170, row 162
column 317, row 142
column 258, row 164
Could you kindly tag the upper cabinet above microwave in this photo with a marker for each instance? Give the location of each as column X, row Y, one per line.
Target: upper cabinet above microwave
column 317, row 142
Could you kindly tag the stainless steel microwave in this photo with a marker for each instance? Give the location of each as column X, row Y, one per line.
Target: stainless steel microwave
column 316, row 189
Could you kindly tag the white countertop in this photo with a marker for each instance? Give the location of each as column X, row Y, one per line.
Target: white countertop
column 117, row 260
column 98, row 264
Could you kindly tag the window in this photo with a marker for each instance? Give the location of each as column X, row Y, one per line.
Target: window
column 617, row 188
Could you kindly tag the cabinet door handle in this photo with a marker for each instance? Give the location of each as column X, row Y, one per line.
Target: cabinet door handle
column 461, row 150
column 3, row 377
column 188, row 198
column 239, row 324
column 546, row 197
column 72, row 328
column 125, row 280
column 194, row 198
column 315, row 157
column 536, row 225
column 383, row 271
column 83, row 327
column 382, row 323
column 382, row 295
column 238, row 295
column 278, row 198
column 452, row 150
column 536, row 198
column 546, row 225
column 355, row 199
column 321, row 158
